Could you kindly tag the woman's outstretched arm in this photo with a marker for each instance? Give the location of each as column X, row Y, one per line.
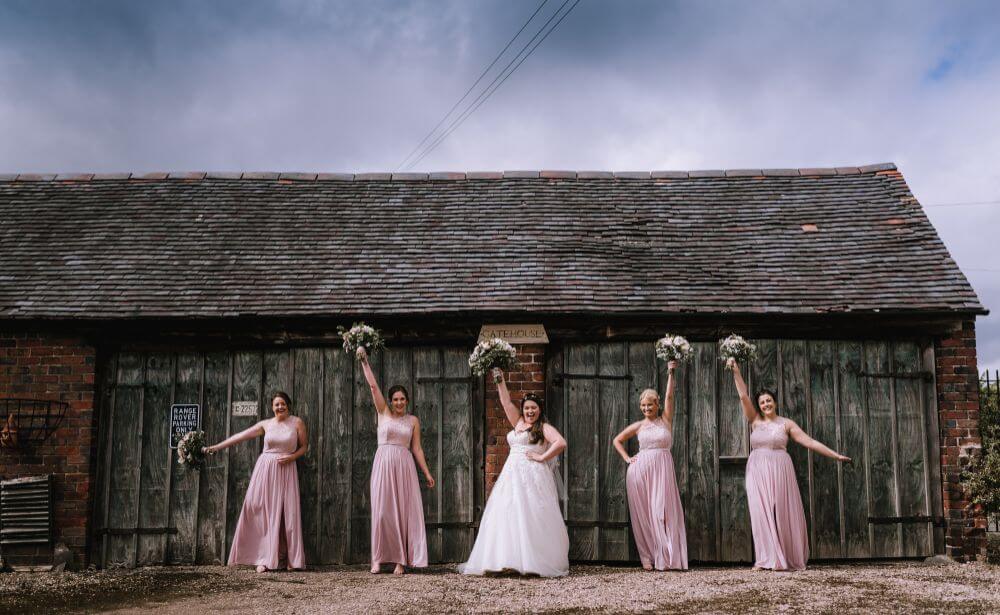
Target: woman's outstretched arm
column 741, row 387
column 377, row 397
column 247, row 434
column 513, row 414
column 803, row 438
column 668, row 397
column 418, row 453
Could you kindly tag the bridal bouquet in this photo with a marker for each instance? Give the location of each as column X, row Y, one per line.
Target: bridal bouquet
column 673, row 348
column 361, row 336
column 492, row 353
column 735, row 347
column 190, row 451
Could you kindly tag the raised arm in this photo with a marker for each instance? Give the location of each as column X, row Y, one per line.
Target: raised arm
column 557, row 444
column 247, row 434
column 624, row 436
column 513, row 414
column 303, row 440
column 749, row 411
column 418, row 453
column 377, row 397
column 796, row 433
column 668, row 398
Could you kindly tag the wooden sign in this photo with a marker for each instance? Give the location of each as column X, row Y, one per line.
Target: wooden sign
column 183, row 419
column 245, row 408
column 515, row 334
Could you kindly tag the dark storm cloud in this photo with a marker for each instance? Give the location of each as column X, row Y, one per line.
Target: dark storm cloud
column 311, row 85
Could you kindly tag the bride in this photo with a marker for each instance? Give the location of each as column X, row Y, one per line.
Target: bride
column 522, row 528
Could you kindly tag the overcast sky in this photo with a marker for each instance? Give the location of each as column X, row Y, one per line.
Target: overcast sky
column 312, row 85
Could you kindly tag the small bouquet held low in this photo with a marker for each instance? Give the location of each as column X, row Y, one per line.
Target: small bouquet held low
column 735, row 347
column 673, row 348
column 361, row 336
column 490, row 354
column 191, row 450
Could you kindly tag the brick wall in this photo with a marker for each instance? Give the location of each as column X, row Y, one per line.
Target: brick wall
column 529, row 376
column 957, row 378
column 41, row 366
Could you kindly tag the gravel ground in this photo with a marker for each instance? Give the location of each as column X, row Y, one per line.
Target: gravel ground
column 898, row 587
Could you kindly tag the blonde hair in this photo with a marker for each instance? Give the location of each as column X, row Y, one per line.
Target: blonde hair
column 649, row 393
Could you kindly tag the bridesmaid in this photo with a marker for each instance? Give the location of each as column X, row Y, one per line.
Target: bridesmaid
column 778, row 522
column 653, row 499
column 398, row 534
column 269, row 532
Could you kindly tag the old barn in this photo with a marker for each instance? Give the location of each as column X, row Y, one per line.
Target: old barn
column 122, row 296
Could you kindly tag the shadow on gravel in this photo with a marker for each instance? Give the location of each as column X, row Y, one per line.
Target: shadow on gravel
column 79, row 592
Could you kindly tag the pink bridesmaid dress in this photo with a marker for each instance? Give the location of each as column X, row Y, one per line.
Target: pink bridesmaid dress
column 269, row 532
column 398, row 534
column 654, row 502
column 780, row 541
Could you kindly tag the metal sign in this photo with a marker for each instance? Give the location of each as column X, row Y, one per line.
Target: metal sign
column 245, row 408
column 184, row 418
column 515, row 334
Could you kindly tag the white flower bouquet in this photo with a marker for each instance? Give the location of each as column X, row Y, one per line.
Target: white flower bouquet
column 361, row 336
column 489, row 354
column 673, row 348
column 735, row 347
column 190, row 450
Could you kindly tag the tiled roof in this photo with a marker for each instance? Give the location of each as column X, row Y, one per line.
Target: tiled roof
column 269, row 244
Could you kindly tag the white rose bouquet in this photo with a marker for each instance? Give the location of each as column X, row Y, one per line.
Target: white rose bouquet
column 361, row 336
column 494, row 353
column 673, row 348
column 190, row 450
column 735, row 347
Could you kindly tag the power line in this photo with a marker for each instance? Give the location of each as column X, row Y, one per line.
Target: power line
column 473, row 86
column 502, row 77
column 965, row 204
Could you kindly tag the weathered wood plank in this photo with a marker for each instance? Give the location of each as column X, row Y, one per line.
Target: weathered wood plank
column 764, row 371
column 912, row 451
column 793, row 405
column 278, row 376
column 881, row 472
column 455, row 477
column 428, row 407
column 581, row 428
column 737, row 543
column 125, row 455
column 642, row 366
column 107, row 380
column 156, row 458
column 336, row 458
column 614, row 416
column 247, row 386
column 365, row 443
column 701, row 511
column 212, row 487
column 825, row 529
column 307, row 391
column 734, row 438
column 933, row 445
column 854, row 435
column 183, row 513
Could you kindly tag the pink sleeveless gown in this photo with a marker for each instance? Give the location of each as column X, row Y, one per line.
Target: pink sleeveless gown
column 269, row 532
column 654, row 502
column 780, row 540
column 398, row 534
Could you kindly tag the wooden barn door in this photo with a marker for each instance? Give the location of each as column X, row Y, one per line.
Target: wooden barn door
column 150, row 510
column 871, row 400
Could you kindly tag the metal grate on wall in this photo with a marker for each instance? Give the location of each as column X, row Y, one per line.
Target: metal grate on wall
column 26, row 511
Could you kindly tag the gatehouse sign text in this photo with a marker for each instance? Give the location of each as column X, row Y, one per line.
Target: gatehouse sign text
column 515, row 334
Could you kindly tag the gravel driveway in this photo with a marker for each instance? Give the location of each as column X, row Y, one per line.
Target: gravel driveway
column 898, row 587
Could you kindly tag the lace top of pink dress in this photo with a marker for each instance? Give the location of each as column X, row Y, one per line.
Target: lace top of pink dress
column 769, row 434
column 655, row 436
column 281, row 438
column 396, row 431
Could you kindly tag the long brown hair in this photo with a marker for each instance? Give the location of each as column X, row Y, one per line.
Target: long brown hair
column 537, row 435
column 756, row 401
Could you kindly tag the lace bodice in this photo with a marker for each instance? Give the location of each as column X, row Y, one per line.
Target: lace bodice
column 654, row 436
column 281, row 437
column 769, row 434
column 520, row 443
column 395, row 430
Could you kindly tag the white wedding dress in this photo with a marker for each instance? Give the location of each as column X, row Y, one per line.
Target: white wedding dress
column 522, row 527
